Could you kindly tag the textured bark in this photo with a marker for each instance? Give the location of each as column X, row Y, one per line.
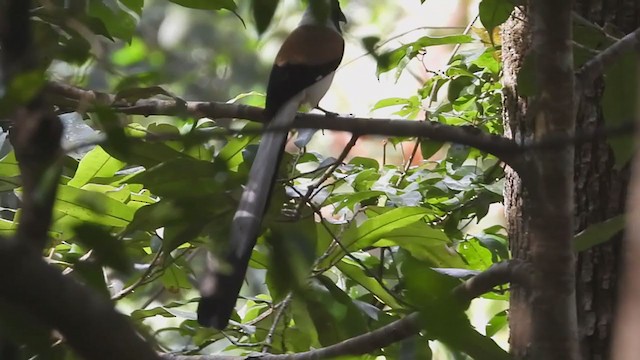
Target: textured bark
column 515, row 44
column 600, row 195
column 599, row 191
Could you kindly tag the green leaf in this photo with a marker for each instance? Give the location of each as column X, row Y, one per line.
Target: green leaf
column 599, row 233
column 185, row 177
column 207, row 4
column 498, row 322
column 22, row 88
column 108, row 250
column 9, row 165
column 494, row 13
column 231, row 153
column 396, row 101
column 139, row 152
column 391, row 59
column 94, row 207
column 293, row 250
column 349, row 200
column 428, row 148
column 375, row 228
column 357, row 274
column 619, row 104
column 137, row 51
column 96, row 163
column 332, row 311
column 425, row 243
column 175, row 278
column 134, row 5
column 118, row 22
column 263, row 11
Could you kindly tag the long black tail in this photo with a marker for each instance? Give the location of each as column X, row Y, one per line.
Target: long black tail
column 219, row 288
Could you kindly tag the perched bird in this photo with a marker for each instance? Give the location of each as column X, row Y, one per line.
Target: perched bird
column 301, row 75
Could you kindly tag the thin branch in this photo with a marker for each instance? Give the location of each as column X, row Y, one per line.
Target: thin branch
column 596, row 66
column 276, row 320
column 311, row 189
column 512, row 271
column 140, row 281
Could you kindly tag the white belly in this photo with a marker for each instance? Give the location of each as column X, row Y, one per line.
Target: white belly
column 314, row 93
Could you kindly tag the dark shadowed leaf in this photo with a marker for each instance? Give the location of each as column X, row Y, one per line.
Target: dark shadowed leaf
column 108, row 250
column 263, row 11
column 207, row 4
column 619, row 103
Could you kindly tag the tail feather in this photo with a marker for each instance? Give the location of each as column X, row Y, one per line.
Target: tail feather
column 220, row 289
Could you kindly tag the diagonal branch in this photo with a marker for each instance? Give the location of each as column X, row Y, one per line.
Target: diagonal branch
column 595, row 67
column 513, row 271
column 88, row 321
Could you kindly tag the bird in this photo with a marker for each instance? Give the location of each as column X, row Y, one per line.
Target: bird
column 301, row 75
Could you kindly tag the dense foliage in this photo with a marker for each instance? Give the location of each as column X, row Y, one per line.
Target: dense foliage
column 347, row 247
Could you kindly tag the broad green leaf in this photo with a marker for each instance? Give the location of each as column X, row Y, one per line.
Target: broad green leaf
column 231, row 153
column 425, row 243
column 494, row 13
column 175, row 278
column 374, row 229
column 7, row 228
column 333, row 313
column 349, row 200
column 137, row 51
column 389, row 102
column 599, row 233
column 185, row 177
column 122, row 193
column 354, row 272
column 108, row 250
column 9, row 165
column 442, row 315
column 118, row 22
column 498, row 322
column 428, row 148
column 138, row 152
column 96, row 163
column 135, row 5
column 94, row 207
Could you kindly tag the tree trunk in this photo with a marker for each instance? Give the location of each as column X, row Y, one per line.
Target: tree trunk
column 600, row 189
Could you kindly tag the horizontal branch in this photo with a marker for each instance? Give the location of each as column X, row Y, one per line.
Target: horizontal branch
column 72, row 98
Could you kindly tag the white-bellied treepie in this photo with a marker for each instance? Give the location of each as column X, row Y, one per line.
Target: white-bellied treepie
column 301, row 75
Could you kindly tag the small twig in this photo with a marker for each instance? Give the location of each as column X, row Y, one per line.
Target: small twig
column 276, row 320
column 131, row 288
column 310, row 190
